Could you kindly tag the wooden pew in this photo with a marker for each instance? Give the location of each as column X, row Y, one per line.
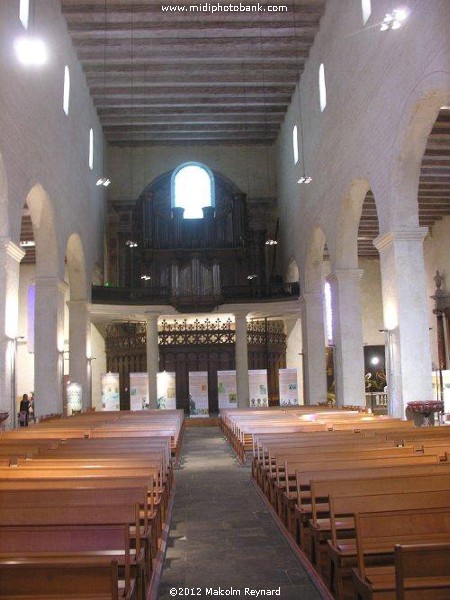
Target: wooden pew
column 302, row 512
column 379, row 533
column 54, row 578
column 422, row 571
column 322, row 489
column 82, row 528
column 90, row 496
column 286, row 491
column 342, row 510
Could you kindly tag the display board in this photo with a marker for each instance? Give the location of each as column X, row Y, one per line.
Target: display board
column 74, row 398
column 166, row 387
column 257, row 383
column 138, row 391
column 198, row 393
column 110, row 391
column 227, row 389
column 288, row 387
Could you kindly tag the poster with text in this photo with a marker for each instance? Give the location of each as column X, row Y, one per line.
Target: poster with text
column 74, row 398
column 257, row 383
column 198, row 393
column 110, row 391
column 227, row 389
column 138, row 391
column 165, row 383
column 288, row 387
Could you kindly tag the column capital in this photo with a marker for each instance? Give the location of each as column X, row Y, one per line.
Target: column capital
column 240, row 314
column 51, row 282
column 341, row 275
column 11, row 249
column 79, row 305
column 310, row 297
column 416, row 234
column 151, row 317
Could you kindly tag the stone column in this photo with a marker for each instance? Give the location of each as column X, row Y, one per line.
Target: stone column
column 243, row 393
column 10, row 257
column 80, row 347
column 406, row 320
column 348, row 336
column 49, row 345
column 152, row 359
column 313, row 344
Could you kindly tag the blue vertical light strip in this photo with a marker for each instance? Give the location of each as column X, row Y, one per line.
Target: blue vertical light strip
column 31, row 304
column 328, row 312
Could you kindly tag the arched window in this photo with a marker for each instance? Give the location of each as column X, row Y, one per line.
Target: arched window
column 192, row 189
column 66, row 92
column 366, row 10
column 295, row 143
column 322, row 88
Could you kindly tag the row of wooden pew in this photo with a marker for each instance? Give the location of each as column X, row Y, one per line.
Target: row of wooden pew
column 368, row 505
column 84, row 504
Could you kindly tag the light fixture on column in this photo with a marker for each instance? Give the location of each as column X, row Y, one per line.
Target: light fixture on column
column 271, row 242
column 131, row 244
column 145, row 277
column 394, row 19
column 31, row 51
column 252, row 277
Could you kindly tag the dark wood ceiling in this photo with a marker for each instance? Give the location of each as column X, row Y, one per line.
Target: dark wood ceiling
column 434, row 187
column 191, row 77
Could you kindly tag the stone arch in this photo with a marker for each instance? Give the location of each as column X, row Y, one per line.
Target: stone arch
column 415, row 125
column 76, row 268
column 346, row 246
column 49, row 263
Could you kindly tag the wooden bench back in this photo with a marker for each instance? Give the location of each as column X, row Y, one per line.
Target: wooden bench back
column 343, row 506
column 339, row 464
column 422, row 571
column 44, row 580
column 382, row 530
column 322, row 489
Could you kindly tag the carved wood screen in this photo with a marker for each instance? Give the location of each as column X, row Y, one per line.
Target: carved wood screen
column 207, row 345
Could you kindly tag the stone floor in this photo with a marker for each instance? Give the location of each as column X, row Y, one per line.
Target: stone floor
column 222, row 538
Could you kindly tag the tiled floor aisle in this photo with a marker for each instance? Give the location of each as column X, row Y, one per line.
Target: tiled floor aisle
column 221, row 535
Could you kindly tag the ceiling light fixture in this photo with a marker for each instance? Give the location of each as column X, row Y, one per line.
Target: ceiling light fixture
column 394, row 20
column 103, row 181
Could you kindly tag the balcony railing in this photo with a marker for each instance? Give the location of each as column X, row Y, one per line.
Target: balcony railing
column 205, row 301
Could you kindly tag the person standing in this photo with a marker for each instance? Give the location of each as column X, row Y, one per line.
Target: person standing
column 31, row 413
column 23, row 411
